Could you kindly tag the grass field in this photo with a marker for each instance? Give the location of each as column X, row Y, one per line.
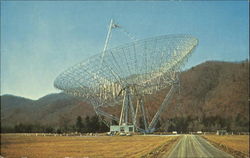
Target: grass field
column 236, row 142
column 82, row 147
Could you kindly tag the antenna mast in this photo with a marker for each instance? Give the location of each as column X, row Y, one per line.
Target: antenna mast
column 111, row 26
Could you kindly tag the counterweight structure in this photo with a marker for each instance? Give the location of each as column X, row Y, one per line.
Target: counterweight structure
column 127, row 74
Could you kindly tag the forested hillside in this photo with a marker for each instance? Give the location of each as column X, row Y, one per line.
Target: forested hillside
column 213, row 95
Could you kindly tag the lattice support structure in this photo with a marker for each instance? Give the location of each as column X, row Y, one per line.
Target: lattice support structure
column 127, row 73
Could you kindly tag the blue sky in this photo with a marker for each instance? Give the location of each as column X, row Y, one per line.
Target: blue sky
column 39, row 39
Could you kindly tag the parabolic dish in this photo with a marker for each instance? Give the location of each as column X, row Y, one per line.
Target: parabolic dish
column 146, row 66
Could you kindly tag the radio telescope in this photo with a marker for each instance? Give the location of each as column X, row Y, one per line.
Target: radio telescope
column 127, row 76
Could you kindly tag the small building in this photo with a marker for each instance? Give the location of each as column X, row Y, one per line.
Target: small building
column 174, row 132
column 199, row 132
column 221, row 132
column 122, row 128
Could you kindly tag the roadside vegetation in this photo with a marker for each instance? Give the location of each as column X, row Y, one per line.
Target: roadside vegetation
column 206, row 124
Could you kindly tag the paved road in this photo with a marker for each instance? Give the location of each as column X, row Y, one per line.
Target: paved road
column 196, row 146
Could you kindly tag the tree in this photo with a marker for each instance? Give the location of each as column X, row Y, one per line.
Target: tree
column 49, row 129
column 171, row 128
column 59, row 131
column 158, row 125
column 7, row 129
column 19, row 128
column 64, row 123
column 141, row 123
column 114, row 122
column 79, row 124
column 94, row 122
column 103, row 127
column 87, row 124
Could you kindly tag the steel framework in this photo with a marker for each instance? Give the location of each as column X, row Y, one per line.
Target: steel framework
column 126, row 74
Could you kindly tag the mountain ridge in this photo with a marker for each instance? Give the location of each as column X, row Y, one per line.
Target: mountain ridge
column 208, row 89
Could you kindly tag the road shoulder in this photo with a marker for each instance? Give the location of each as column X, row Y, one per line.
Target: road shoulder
column 164, row 149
